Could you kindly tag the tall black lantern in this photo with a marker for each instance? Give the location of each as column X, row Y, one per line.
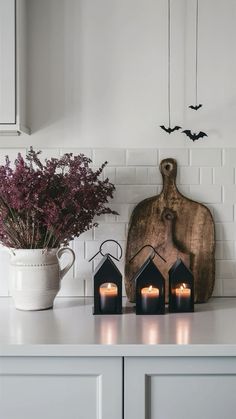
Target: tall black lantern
column 107, row 284
column 181, row 288
column 150, row 287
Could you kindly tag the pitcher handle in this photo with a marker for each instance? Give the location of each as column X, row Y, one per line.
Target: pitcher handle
column 61, row 252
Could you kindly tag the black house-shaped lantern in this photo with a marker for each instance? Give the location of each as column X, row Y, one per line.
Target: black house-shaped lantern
column 181, row 288
column 150, row 289
column 107, row 287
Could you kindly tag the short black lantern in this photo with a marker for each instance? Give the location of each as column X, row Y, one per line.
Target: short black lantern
column 107, row 284
column 181, row 288
column 150, row 286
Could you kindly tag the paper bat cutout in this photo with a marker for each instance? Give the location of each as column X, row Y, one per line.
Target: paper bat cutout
column 193, row 136
column 195, row 107
column 170, row 130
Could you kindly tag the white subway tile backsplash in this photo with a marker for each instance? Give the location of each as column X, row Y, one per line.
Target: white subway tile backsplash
column 154, row 176
column 92, row 247
column 48, row 153
column 75, row 151
column 217, row 291
column 83, row 268
column 229, row 287
column 206, row 194
column 229, row 157
column 103, row 218
column 219, row 231
column 142, row 176
column 124, row 211
column 110, row 173
column 115, row 157
column 225, row 231
column 179, row 154
column 184, row 189
column 4, row 280
column 226, row 269
column 206, row 176
column 206, row 157
column 107, row 231
column 133, row 194
column 223, row 212
column 125, row 176
column 225, row 250
column 71, row 284
column 223, row 175
column 88, row 287
column 142, row 157
column 136, row 175
column 188, row 175
column 229, row 193
column 87, row 235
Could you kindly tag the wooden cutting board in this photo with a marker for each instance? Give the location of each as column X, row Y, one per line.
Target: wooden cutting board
column 177, row 227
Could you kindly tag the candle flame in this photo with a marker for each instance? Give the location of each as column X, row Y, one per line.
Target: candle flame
column 150, row 288
column 109, row 285
column 183, row 286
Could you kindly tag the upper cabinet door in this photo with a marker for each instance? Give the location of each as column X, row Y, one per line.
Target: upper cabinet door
column 7, row 62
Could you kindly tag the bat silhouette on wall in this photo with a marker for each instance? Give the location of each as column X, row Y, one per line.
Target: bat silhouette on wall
column 193, row 136
column 196, row 107
column 170, row 130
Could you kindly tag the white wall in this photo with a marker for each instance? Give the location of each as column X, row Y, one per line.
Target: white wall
column 98, row 73
column 97, row 79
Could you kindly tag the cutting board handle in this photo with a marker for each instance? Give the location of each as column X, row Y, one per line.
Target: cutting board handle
column 168, row 169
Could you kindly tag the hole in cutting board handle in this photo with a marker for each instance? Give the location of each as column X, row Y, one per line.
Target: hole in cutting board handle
column 168, row 167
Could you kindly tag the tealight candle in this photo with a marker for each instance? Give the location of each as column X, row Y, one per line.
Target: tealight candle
column 182, row 298
column 108, row 298
column 149, row 299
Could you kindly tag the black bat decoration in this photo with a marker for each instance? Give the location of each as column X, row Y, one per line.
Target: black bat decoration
column 193, row 136
column 195, row 107
column 170, row 130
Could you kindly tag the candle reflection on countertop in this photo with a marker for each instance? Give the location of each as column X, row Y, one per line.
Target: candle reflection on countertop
column 149, row 331
column 183, row 330
column 108, row 329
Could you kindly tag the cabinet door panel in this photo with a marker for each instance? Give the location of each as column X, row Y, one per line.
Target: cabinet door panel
column 59, row 388
column 7, row 60
column 176, row 388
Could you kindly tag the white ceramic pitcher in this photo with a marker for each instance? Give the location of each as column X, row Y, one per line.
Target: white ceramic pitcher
column 35, row 276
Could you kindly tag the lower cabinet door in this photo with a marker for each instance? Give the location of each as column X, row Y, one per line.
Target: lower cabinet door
column 60, row 388
column 180, row 388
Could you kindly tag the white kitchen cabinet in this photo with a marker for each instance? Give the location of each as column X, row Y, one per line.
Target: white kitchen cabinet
column 180, row 388
column 66, row 363
column 13, row 67
column 59, row 388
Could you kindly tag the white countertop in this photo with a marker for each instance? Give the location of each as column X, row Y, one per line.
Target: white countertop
column 70, row 329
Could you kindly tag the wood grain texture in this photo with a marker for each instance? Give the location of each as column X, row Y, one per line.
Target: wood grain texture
column 177, row 227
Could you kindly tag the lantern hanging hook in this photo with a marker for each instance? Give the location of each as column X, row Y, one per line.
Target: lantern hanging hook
column 154, row 253
column 108, row 254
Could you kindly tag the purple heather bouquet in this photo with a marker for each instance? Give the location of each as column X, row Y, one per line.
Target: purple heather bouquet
column 47, row 205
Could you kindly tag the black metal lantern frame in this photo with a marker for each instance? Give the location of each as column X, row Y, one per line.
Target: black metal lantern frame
column 181, row 288
column 150, row 286
column 107, row 283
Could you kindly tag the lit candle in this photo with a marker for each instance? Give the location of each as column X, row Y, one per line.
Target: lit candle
column 183, row 298
column 149, row 299
column 108, row 298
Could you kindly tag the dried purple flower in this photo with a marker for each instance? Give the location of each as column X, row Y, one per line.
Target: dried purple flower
column 48, row 205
